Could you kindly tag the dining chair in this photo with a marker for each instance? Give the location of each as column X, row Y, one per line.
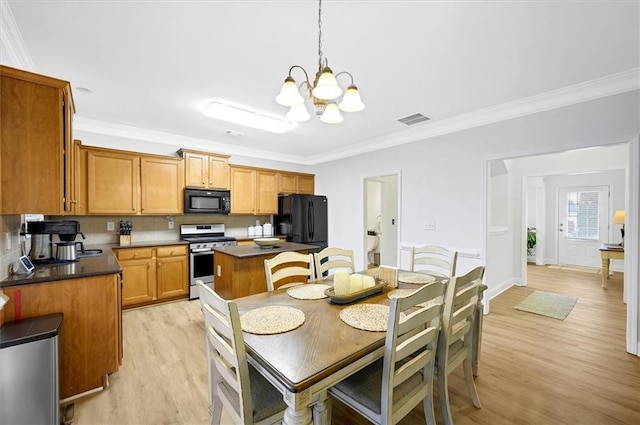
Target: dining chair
column 435, row 260
column 286, row 266
column 456, row 341
column 233, row 383
column 387, row 390
column 332, row 258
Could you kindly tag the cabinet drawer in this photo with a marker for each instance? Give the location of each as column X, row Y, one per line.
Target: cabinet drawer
column 134, row 253
column 172, row 250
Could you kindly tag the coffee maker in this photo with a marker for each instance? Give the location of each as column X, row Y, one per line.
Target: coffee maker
column 42, row 232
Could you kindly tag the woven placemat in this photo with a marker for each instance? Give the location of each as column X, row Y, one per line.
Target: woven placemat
column 272, row 319
column 308, row 291
column 401, row 293
column 368, row 317
column 415, row 278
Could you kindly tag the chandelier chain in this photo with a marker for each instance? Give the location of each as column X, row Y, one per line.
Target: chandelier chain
column 320, row 34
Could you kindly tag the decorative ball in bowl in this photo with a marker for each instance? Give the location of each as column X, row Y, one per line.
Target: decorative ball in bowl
column 266, row 242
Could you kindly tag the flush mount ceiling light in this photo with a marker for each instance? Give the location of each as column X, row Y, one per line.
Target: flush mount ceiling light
column 223, row 112
column 322, row 92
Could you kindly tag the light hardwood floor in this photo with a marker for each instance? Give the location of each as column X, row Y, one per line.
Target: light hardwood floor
column 534, row 369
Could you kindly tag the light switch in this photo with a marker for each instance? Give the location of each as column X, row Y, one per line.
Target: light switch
column 110, row 226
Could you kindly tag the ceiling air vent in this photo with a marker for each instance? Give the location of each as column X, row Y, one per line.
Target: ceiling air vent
column 413, row 119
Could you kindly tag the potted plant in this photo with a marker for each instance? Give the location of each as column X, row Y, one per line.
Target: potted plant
column 531, row 240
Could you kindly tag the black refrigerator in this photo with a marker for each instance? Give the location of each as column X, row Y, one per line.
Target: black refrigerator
column 303, row 219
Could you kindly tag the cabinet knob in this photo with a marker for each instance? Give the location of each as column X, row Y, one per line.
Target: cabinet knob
column 133, row 209
column 73, row 201
column 159, row 264
column 135, row 254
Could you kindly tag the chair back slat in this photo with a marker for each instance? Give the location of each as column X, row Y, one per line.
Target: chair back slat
column 288, row 265
column 433, row 259
column 331, row 258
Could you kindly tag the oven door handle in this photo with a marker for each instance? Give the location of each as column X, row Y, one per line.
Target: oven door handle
column 197, row 250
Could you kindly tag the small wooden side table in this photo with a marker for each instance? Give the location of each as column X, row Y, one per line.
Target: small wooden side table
column 607, row 253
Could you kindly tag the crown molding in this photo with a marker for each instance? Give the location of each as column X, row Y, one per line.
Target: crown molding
column 105, row 128
column 583, row 92
column 11, row 40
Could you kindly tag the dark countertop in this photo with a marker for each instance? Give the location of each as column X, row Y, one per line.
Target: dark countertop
column 149, row 243
column 250, row 238
column 248, row 251
column 84, row 267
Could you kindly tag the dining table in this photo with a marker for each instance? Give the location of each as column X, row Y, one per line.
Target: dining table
column 305, row 362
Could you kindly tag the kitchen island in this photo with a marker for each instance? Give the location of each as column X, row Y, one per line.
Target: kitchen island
column 239, row 270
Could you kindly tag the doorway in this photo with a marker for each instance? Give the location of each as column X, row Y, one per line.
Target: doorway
column 583, row 224
column 381, row 212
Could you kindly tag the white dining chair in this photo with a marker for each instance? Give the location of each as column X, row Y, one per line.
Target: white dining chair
column 434, row 260
column 233, row 383
column 388, row 389
column 456, row 340
column 288, row 265
column 332, row 258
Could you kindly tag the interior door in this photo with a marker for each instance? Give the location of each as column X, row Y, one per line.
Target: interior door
column 583, row 224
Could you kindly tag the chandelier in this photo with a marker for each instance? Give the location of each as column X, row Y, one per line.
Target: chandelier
column 323, row 92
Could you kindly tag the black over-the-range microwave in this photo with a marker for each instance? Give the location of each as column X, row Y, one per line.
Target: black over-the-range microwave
column 207, row 201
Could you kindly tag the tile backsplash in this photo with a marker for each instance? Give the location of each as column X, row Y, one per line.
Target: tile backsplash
column 10, row 248
column 156, row 228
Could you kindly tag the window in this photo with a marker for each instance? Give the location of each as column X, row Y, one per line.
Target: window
column 582, row 215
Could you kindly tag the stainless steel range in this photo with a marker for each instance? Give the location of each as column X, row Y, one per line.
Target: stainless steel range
column 202, row 239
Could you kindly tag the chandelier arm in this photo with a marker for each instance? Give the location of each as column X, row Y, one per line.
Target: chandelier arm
column 306, row 76
column 345, row 72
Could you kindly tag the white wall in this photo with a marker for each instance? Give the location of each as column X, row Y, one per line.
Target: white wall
column 443, row 177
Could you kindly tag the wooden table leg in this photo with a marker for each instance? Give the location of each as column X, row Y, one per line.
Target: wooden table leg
column 605, row 271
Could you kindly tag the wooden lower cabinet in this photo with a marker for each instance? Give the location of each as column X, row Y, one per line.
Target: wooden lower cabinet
column 172, row 272
column 91, row 335
column 153, row 274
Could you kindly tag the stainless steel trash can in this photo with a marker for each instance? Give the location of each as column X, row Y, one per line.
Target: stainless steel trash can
column 29, row 368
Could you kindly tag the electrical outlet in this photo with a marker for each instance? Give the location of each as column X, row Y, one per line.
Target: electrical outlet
column 170, row 224
column 111, row 226
column 7, row 241
column 430, row 225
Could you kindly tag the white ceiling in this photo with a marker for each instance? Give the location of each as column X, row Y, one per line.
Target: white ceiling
column 151, row 64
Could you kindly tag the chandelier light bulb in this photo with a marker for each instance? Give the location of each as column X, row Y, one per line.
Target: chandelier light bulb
column 331, row 114
column 289, row 93
column 351, row 101
column 298, row 113
column 327, row 87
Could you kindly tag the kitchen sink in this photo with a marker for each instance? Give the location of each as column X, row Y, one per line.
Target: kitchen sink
column 89, row 253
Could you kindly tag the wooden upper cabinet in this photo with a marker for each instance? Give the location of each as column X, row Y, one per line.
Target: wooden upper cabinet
column 35, row 139
column 287, row 183
column 266, row 192
column 306, row 184
column 112, row 182
column 243, row 190
column 253, row 190
column 295, row 183
column 121, row 182
column 161, row 185
column 205, row 170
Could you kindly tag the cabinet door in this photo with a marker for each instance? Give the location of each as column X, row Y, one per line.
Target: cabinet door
column 243, row 190
column 161, row 185
column 138, row 281
column 32, row 146
column 287, row 183
column 218, row 172
column 196, row 170
column 173, row 276
column 306, row 184
column 112, row 183
column 266, row 193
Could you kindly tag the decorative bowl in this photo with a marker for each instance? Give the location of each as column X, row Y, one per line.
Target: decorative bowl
column 266, row 242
